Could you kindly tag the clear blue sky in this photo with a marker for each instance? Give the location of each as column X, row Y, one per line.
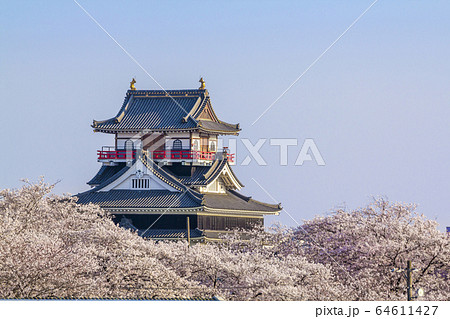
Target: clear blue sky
column 376, row 104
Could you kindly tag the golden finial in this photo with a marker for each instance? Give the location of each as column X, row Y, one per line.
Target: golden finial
column 132, row 87
column 202, row 86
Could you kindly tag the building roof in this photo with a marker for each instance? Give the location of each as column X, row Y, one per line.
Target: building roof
column 203, row 175
column 105, row 182
column 145, row 199
column 159, row 110
column 170, row 233
column 211, row 126
column 118, row 198
column 105, row 173
column 184, row 197
column 233, row 200
column 197, row 178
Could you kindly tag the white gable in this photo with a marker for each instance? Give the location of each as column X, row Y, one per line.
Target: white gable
column 138, row 177
column 217, row 186
column 225, row 180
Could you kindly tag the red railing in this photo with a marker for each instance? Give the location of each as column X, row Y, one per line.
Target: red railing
column 116, row 155
column 188, row 154
column 159, row 155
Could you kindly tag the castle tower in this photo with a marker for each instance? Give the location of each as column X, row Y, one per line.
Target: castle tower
column 165, row 169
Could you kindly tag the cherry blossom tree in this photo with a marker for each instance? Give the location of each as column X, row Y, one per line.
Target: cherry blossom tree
column 364, row 246
column 248, row 269
column 52, row 247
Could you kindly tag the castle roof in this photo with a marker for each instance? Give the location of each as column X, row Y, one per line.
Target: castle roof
column 152, row 200
column 233, row 200
column 162, row 234
column 184, row 198
column 105, row 173
column 203, row 175
column 166, row 110
column 120, row 198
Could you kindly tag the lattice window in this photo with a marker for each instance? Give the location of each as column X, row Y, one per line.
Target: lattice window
column 212, row 146
column 177, row 145
column 140, row 183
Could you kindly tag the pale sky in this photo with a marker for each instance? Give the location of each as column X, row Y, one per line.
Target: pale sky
column 376, row 104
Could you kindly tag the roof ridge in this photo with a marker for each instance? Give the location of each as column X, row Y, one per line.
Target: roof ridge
column 165, row 92
column 191, row 112
column 234, row 175
column 216, row 164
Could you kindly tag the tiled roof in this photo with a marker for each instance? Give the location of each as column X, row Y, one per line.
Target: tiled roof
column 158, row 110
column 110, row 179
column 214, row 298
column 165, row 176
column 197, row 177
column 233, row 200
column 202, row 174
column 185, row 197
column 153, row 114
column 217, row 127
column 170, row 233
column 138, row 199
column 105, row 173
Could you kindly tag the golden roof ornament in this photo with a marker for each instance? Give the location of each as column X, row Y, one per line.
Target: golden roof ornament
column 132, row 87
column 202, row 86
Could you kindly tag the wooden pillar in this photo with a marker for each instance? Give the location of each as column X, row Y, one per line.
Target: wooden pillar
column 188, row 231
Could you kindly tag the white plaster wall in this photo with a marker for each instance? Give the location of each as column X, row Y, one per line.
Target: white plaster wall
column 185, row 142
column 216, row 187
column 124, row 182
column 121, row 143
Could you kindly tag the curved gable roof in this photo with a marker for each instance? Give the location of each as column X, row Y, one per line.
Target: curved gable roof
column 104, row 173
column 153, row 111
column 159, row 110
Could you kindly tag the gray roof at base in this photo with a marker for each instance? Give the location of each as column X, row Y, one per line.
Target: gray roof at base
column 126, row 199
column 219, row 127
column 233, row 200
column 138, row 199
column 170, row 233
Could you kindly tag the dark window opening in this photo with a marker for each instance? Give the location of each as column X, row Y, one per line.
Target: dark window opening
column 140, row 183
column 177, row 145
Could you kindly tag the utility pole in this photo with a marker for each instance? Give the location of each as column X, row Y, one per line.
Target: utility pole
column 188, row 232
column 409, row 285
column 409, row 280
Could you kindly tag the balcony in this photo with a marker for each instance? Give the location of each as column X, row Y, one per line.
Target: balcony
column 189, row 155
column 116, row 155
column 112, row 155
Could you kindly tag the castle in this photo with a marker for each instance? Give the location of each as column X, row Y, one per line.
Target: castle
column 165, row 176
